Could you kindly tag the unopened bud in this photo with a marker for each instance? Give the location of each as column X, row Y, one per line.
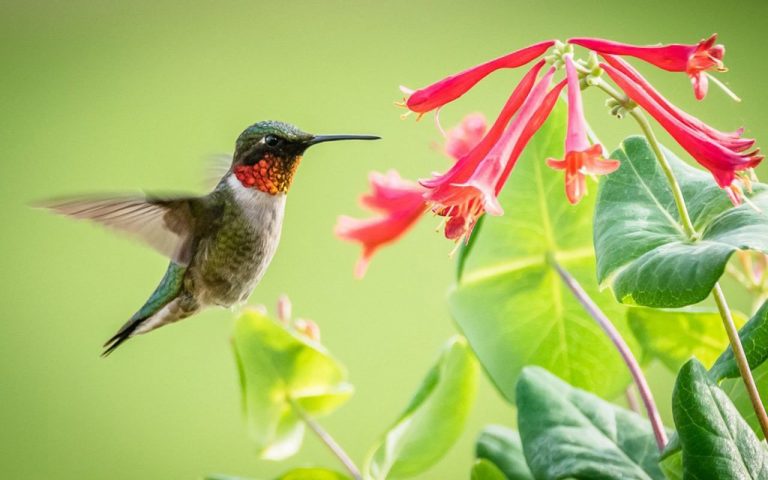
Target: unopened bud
column 284, row 308
column 308, row 328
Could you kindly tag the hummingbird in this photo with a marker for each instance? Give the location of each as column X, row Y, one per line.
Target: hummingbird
column 219, row 244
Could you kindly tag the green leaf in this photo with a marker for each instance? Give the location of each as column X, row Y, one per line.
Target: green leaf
column 737, row 392
column 502, row 446
column 312, row 474
column 673, row 336
column 642, row 251
column 433, row 420
column 509, row 302
column 754, row 338
column 277, row 366
column 672, row 465
column 569, row 433
column 715, row 440
column 485, row 470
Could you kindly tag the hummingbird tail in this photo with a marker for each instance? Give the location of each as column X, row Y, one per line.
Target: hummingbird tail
column 138, row 324
column 125, row 332
column 163, row 307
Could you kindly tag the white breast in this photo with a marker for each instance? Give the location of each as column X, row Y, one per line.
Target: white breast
column 260, row 208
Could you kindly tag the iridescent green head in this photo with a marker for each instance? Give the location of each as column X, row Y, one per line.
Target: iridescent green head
column 267, row 154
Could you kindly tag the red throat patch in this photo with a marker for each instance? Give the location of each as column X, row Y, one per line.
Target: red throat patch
column 270, row 175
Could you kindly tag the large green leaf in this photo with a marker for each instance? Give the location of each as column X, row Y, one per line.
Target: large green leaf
column 673, row 336
column 279, row 366
column 754, row 338
column 433, row 420
column 486, row 470
column 509, row 302
column 642, row 251
column 715, row 440
column 569, row 433
column 502, row 446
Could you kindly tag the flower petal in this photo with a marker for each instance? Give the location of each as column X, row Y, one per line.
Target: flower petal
column 463, row 168
column 731, row 140
column 452, row 87
column 694, row 60
column 401, row 204
column 718, row 159
column 464, row 137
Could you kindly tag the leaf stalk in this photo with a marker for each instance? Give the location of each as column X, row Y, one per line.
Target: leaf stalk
column 690, row 231
column 328, row 440
column 626, row 354
column 741, row 358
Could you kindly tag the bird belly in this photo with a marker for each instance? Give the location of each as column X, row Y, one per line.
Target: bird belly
column 233, row 261
column 228, row 285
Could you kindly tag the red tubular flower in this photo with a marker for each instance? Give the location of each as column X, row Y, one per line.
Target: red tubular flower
column 694, row 60
column 401, row 203
column 467, row 164
column 731, row 140
column 716, row 157
column 580, row 156
column 471, row 188
column 463, row 138
column 450, row 88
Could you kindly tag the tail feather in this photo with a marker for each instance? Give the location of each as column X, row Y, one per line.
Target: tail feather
column 125, row 332
column 161, row 308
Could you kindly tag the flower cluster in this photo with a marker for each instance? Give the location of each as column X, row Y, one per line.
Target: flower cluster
column 484, row 158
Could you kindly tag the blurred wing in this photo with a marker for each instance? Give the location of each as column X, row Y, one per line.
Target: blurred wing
column 216, row 167
column 166, row 225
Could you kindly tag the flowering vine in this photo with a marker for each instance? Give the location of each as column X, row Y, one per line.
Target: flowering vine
column 485, row 159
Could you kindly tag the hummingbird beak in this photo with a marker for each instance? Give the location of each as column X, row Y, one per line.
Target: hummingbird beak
column 332, row 138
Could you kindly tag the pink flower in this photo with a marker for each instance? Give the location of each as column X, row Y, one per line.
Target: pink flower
column 450, row 88
column 580, row 156
column 471, row 187
column 731, row 140
column 400, row 202
column 695, row 60
column 715, row 156
column 463, row 138
column 465, row 165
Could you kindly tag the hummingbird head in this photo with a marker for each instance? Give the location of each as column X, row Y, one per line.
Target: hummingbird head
column 267, row 154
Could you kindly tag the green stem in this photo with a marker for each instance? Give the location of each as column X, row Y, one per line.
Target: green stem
column 741, row 358
column 328, row 440
column 677, row 193
column 685, row 218
column 626, row 353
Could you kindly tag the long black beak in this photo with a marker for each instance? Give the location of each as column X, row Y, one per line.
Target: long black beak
column 332, row 138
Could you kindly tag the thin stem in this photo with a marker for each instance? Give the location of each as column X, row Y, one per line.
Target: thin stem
column 741, row 358
column 677, row 193
column 717, row 292
column 328, row 440
column 725, row 313
column 629, row 359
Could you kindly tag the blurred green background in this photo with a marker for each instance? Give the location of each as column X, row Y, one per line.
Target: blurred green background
column 124, row 96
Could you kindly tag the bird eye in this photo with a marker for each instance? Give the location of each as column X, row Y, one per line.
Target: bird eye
column 272, row 140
